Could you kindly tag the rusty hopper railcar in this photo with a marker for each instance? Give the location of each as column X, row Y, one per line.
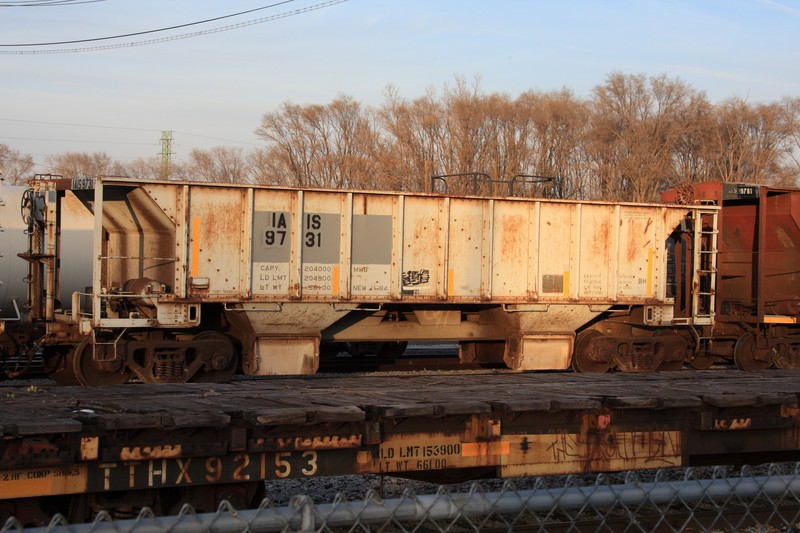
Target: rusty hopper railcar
column 190, row 280
column 757, row 297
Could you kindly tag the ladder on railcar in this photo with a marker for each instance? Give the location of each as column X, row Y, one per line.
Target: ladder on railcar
column 704, row 282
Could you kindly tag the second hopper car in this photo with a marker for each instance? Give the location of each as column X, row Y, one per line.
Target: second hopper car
column 191, row 281
column 756, row 265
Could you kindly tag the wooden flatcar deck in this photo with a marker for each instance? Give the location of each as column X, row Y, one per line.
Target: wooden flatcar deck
column 69, row 440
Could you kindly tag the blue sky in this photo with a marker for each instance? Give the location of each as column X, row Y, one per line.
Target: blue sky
column 213, row 89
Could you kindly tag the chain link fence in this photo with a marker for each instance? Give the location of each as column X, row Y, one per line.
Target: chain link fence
column 764, row 499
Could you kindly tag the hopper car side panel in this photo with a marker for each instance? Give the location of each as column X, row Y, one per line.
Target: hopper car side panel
column 317, row 246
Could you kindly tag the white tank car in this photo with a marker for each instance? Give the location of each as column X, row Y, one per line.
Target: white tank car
column 76, row 250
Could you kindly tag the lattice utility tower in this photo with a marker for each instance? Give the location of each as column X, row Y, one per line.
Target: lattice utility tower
column 166, row 153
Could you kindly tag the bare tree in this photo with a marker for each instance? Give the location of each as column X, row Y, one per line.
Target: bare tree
column 555, row 131
column 262, row 164
column 220, row 164
column 637, row 125
column 81, row 164
column 692, row 155
column 15, row 168
column 633, row 137
column 469, row 129
column 152, row 168
column 790, row 110
column 416, row 135
column 325, row 146
column 750, row 142
column 464, row 131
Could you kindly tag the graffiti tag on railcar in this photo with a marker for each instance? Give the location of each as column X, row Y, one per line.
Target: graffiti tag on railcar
column 413, row 278
column 657, row 448
column 623, row 450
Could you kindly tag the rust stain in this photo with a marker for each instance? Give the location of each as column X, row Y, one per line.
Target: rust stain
column 219, row 222
column 29, row 447
column 479, row 449
column 637, row 232
column 138, row 453
column 327, row 442
column 791, row 411
column 514, row 237
column 601, row 239
column 90, row 448
column 733, row 424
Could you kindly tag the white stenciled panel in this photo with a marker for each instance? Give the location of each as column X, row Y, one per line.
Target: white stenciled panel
column 321, row 242
column 371, row 248
column 272, row 242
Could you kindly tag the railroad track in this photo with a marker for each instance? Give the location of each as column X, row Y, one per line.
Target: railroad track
column 417, row 358
column 427, row 357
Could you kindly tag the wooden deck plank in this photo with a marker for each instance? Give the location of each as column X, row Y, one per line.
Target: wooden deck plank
column 357, row 398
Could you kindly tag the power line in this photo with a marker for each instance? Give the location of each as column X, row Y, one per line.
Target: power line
column 178, row 37
column 123, row 35
column 46, row 3
column 3, row 137
column 124, row 128
column 77, row 125
column 216, row 138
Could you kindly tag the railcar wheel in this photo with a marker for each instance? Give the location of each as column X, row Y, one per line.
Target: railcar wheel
column 90, row 372
column 703, row 362
column 392, row 349
column 58, row 364
column 329, row 350
column 10, row 357
column 748, row 356
column 221, row 364
column 698, row 359
column 364, row 348
column 582, row 360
